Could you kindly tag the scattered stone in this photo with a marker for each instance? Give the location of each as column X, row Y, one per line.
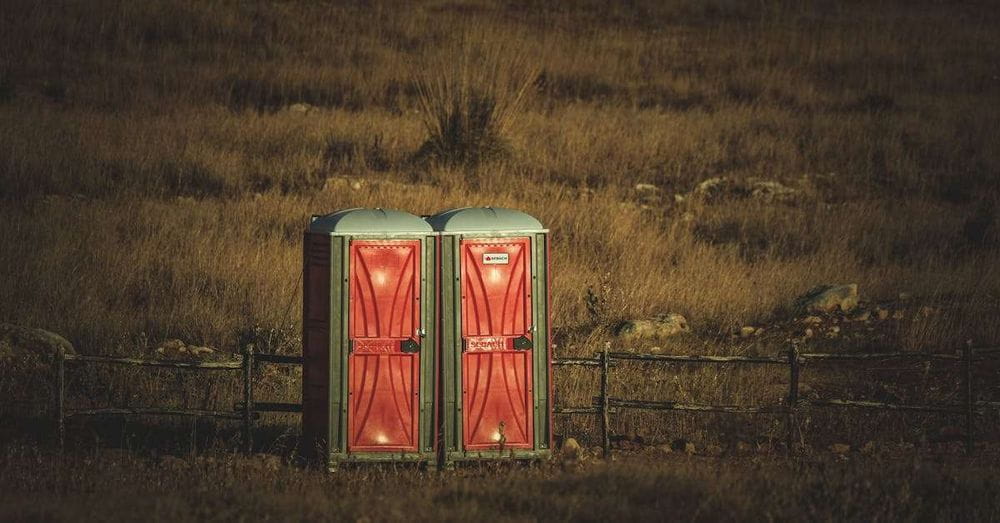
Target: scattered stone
column 747, row 331
column 25, row 343
column 299, row 108
column 682, row 445
column 759, row 331
column 840, row 448
column 661, row 326
column 864, row 316
column 808, row 333
column 177, row 349
column 679, row 198
column 721, row 188
column 646, row 187
column 829, row 298
column 265, row 462
column 571, row 449
column 714, row 188
column 812, row 320
column 771, row 191
column 882, row 314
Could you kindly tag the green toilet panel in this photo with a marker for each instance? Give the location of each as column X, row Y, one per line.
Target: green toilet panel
column 495, row 334
column 369, row 317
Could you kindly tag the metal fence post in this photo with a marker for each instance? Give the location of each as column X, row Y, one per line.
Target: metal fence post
column 61, row 398
column 248, row 399
column 793, row 395
column 605, row 422
column 970, row 411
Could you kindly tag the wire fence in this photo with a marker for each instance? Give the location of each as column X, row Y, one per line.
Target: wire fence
column 604, row 404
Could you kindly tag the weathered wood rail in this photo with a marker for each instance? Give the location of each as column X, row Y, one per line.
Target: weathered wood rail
column 603, row 404
column 248, row 411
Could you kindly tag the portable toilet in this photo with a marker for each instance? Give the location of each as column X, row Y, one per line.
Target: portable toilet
column 495, row 350
column 369, row 370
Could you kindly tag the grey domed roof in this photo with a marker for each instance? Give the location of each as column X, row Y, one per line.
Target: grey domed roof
column 484, row 219
column 368, row 221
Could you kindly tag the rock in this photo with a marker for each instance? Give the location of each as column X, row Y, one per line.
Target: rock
column 679, row 198
column 808, row 333
column 829, row 298
column 747, row 331
column 264, row 462
column 759, row 331
column 715, row 188
column 682, row 445
column 646, row 187
column 571, row 449
column 173, row 345
column 661, row 326
column 177, row 349
column 812, row 320
column 862, row 316
column 840, row 448
column 720, row 188
column 26, row 343
column 299, row 108
column 881, row 314
column 771, row 191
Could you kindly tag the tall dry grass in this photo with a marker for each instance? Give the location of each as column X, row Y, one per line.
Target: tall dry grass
column 154, row 177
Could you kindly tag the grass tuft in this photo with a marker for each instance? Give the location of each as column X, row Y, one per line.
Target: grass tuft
column 469, row 104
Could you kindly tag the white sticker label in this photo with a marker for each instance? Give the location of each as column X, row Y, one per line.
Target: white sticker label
column 495, row 258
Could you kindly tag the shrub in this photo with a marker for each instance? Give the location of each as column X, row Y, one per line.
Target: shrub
column 469, row 105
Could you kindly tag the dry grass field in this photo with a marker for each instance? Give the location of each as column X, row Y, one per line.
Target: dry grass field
column 159, row 161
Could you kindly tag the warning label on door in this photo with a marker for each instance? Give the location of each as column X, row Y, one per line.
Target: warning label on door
column 496, row 258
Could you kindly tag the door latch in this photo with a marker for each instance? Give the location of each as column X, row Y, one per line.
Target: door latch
column 409, row 346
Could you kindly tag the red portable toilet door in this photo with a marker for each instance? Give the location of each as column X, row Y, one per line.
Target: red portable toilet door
column 497, row 339
column 384, row 364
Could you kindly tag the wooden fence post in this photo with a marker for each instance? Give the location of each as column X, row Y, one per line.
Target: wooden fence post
column 248, row 399
column 605, row 422
column 970, row 409
column 60, row 405
column 793, row 396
